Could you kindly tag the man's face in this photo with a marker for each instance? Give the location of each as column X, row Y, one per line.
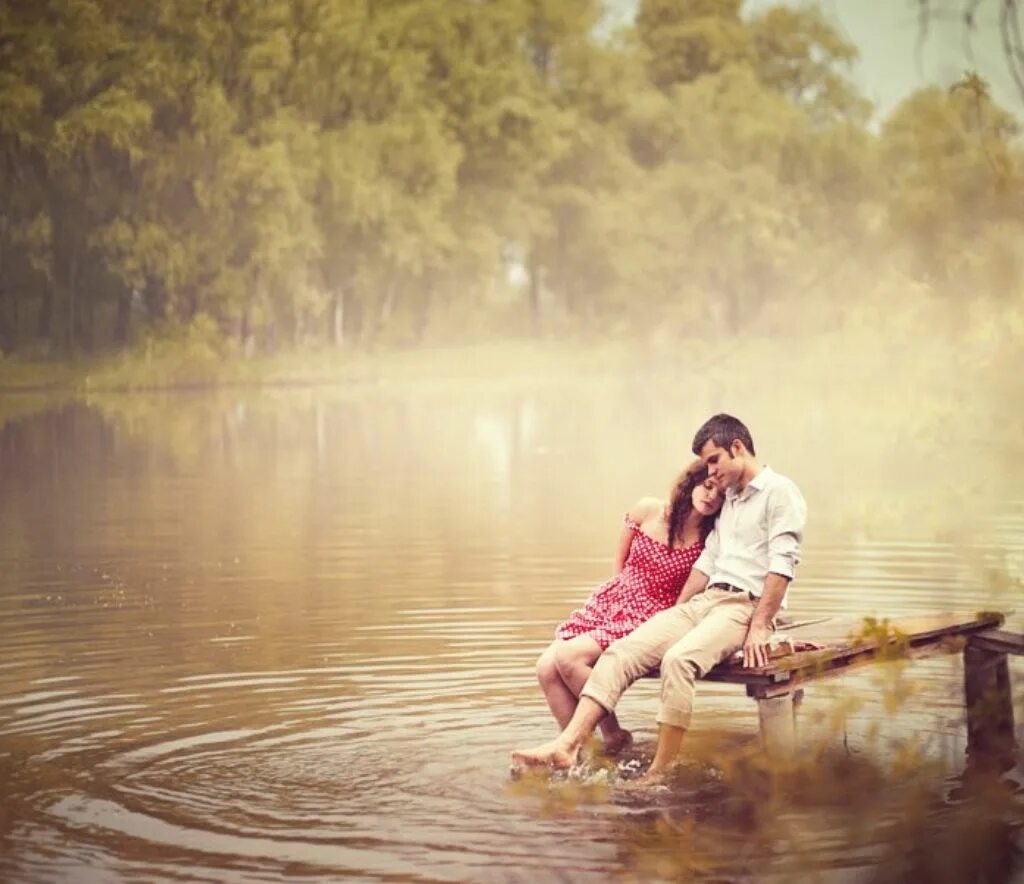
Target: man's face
column 724, row 468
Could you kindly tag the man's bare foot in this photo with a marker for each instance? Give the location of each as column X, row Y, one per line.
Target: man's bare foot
column 618, row 742
column 553, row 754
column 650, row 780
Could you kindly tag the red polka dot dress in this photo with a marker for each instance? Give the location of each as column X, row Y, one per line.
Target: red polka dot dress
column 650, row 581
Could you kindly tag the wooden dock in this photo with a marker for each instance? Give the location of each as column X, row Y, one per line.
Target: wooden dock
column 846, row 645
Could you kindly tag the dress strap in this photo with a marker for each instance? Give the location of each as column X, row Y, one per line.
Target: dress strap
column 634, row 526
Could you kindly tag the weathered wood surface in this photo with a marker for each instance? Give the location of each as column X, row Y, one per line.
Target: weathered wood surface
column 990, row 731
column 999, row 641
column 842, row 649
column 777, row 722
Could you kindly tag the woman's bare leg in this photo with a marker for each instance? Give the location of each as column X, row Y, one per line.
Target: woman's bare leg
column 561, row 700
column 575, row 661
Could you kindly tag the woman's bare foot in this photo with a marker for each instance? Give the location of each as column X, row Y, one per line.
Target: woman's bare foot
column 554, row 755
column 618, row 742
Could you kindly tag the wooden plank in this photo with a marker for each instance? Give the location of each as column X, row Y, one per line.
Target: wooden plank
column 764, row 691
column 902, row 635
column 999, row 641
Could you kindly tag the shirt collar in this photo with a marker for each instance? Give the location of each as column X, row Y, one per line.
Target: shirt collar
column 756, row 484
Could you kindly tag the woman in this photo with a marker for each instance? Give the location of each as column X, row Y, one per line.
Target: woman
column 657, row 547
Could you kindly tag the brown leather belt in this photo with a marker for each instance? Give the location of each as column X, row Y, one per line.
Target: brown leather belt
column 728, row 587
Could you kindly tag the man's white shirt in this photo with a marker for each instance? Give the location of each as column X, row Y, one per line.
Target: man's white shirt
column 758, row 531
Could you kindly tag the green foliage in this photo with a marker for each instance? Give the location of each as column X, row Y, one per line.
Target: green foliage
column 175, row 354
column 307, row 172
column 798, row 53
column 892, row 643
column 956, row 188
column 686, row 40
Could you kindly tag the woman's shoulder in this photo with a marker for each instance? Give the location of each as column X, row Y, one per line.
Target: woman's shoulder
column 645, row 508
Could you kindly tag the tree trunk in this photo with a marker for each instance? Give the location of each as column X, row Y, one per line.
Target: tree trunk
column 71, row 287
column 423, row 310
column 86, row 329
column 571, row 301
column 338, row 318
column 15, row 321
column 8, row 319
column 298, row 326
column 55, row 301
column 191, row 304
column 85, row 309
column 58, row 317
column 387, row 305
column 154, row 299
column 245, row 336
column 8, row 308
column 533, row 270
column 123, row 319
column 294, row 321
column 44, row 322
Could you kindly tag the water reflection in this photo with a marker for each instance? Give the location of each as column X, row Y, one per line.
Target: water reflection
column 257, row 636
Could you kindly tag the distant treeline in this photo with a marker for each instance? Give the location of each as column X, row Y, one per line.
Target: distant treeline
column 290, row 173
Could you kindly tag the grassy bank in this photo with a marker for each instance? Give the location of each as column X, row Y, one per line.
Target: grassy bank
column 184, row 369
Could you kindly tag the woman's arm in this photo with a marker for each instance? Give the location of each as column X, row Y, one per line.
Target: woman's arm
column 639, row 513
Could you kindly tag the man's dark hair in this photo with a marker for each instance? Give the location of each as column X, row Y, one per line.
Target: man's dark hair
column 722, row 429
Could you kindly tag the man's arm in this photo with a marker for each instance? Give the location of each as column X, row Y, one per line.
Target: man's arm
column 759, row 633
column 700, row 573
column 787, row 514
column 696, row 583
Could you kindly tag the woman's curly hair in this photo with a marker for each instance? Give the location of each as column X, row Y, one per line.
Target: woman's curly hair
column 682, row 502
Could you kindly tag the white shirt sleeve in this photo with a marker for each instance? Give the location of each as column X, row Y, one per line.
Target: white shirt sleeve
column 787, row 515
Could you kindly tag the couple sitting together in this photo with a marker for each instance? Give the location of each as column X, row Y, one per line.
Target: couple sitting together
column 690, row 591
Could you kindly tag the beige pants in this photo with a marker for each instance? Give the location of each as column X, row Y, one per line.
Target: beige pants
column 686, row 640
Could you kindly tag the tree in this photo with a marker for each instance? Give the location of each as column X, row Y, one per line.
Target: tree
column 685, row 39
column 72, row 123
column 955, row 185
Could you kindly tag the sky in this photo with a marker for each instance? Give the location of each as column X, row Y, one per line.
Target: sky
column 892, row 64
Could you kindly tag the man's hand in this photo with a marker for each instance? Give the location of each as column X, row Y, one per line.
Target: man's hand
column 759, row 633
column 755, row 648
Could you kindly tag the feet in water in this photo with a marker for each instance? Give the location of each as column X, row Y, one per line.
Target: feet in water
column 649, row 780
column 554, row 755
column 617, row 743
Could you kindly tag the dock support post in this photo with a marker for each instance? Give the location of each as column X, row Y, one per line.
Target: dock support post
column 989, row 705
column 777, row 717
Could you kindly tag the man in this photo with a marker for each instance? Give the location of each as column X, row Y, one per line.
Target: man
column 728, row 602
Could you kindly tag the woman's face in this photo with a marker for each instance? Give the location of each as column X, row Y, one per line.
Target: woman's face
column 707, row 499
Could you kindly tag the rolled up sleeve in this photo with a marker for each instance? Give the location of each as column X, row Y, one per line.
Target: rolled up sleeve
column 787, row 515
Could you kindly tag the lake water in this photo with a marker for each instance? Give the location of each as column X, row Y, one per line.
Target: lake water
column 266, row 636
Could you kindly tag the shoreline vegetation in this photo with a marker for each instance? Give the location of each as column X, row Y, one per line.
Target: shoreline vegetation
column 230, row 182
column 924, row 344
column 923, row 348
column 175, row 370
